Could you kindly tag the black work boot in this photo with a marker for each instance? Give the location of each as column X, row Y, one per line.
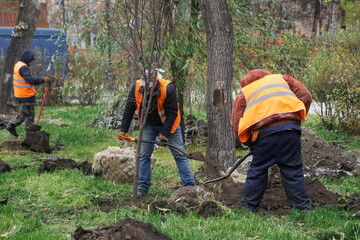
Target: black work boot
column 12, row 129
column 141, row 194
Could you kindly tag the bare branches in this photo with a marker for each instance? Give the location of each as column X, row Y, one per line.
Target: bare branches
column 142, row 27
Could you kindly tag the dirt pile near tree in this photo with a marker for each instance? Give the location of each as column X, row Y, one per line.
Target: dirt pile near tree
column 321, row 159
column 127, row 229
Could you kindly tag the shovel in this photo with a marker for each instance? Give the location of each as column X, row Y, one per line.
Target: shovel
column 238, row 162
column 47, row 91
column 131, row 139
column 197, row 156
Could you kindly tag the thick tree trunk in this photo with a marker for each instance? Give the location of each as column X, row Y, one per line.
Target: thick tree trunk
column 29, row 11
column 219, row 38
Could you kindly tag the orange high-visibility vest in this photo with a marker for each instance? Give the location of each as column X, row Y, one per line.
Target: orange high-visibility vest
column 160, row 102
column 267, row 96
column 22, row 89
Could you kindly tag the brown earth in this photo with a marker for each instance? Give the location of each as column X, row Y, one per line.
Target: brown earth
column 127, row 229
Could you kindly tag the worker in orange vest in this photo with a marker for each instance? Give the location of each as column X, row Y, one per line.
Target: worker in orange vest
column 163, row 121
column 266, row 116
column 24, row 91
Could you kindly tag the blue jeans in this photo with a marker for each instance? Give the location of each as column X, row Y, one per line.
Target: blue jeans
column 150, row 133
column 284, row 149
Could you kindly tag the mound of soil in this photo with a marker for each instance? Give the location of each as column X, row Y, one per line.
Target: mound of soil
column 4, row 167
column 37, row 141
column 52, row 163
column 321, row 159
column 127, row 229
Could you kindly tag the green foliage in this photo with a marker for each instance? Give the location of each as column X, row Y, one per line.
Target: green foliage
column 352, row 16
column 86, row 84
column 333, row 77
column 344, row 186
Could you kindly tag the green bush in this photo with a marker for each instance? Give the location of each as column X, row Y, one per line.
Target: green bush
column 86, row 83
column 333, row 77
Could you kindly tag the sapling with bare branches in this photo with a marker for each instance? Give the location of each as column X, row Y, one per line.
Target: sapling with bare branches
column 140, row 28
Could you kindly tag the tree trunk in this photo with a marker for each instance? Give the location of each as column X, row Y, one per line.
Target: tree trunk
column 29, row 11
column 219, row 39
column 317, row 17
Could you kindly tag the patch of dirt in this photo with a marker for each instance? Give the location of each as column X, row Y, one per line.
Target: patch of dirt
column 209, row 208
column 321, row 159
column 127, row 229
column 4, row 167
column 31, row 143
column 37, row 141
column 52, row 163
column 107, row 204
column 13, row 145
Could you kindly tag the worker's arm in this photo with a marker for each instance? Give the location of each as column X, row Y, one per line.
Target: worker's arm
column 28, row 77
column 238, row 109
column 299, row 90
column 129, row 110
column 171, row 109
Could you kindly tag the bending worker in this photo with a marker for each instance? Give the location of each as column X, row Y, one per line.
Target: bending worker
column 163, row 120
column 24, row 91
column 266, row 116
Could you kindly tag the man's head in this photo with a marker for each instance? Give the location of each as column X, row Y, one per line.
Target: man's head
column 253, row 75
column 27, row 56
column 150, row 77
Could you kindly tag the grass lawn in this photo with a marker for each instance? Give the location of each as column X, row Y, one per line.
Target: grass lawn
column 53, row 205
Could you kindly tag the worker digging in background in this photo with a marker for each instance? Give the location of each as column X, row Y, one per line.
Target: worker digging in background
column 163, row 120
column 24, row 91
column 266, row 116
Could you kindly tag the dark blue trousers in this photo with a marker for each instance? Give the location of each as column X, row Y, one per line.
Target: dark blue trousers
column 284, row 149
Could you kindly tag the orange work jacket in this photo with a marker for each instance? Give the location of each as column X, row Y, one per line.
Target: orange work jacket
column 22, row 89
column 267, row 96
column 160, row 102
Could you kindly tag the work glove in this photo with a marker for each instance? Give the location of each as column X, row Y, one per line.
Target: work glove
column 123, row 137
column 163, row 139
column 49, row 80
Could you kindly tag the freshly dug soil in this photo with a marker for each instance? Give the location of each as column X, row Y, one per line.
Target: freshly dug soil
column 127, row 229
column 274, row 200
column 52, row 163
column 4, row 167
column 321, row 159
column 37, row 141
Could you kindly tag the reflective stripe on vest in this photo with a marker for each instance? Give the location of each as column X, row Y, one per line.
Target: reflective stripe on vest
column 265, row 97
column 22, row 89
column 160, row 102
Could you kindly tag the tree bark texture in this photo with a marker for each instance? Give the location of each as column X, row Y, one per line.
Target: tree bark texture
column 29, row 12
column 219, row 39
